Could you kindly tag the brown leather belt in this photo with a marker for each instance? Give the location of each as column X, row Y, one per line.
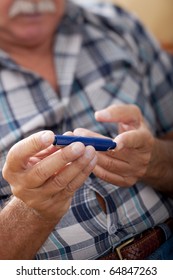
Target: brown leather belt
column 142, row 246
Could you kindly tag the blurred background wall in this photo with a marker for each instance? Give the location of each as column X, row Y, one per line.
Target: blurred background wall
column 157, row 15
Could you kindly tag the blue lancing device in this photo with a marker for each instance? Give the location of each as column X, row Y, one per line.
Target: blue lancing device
column 100, row 144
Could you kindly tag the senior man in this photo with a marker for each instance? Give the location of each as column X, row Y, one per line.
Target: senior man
column 66, row 69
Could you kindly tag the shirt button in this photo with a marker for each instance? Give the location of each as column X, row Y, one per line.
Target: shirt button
column 112, row 229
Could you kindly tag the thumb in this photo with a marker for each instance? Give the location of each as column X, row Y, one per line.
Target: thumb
column 133, row 139
column 20, row 153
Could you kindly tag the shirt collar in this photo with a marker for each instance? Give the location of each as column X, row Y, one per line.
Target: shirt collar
column 68, row 41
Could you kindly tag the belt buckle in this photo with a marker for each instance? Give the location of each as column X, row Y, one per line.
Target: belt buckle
column 120, row 247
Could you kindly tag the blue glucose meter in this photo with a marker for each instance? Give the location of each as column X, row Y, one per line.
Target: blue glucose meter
column 100, row 144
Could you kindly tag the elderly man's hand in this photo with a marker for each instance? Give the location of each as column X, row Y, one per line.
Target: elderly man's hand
column 44, row 177
column 128, row 163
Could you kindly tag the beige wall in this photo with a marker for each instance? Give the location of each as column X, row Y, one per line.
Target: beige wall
column 157, row 15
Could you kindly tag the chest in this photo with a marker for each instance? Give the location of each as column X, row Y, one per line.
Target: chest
column 45, row 68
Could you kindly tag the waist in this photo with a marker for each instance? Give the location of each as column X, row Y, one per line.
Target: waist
column 143, row 245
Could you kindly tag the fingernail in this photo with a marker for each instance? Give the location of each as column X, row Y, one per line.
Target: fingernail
column 93, row 161
column 102, row 114
column 125, row 126
column 46, row 138
column 119, row 141
column 120, row 146
column 89, row 152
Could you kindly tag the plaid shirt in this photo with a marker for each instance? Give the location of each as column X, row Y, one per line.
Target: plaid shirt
column 99, row 61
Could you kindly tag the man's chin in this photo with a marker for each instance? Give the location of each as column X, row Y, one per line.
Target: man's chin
column 31, row 35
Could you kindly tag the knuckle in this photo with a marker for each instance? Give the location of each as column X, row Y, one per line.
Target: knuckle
column 70, row 189
column 12, row 178
column 141, row 169
column 5, row 171
column 135, row 109
column 141, row 172
column 40, row 172
column 85, row 172
column 109, row 163
column 64, row 155
column 144, row 162
column 102, row 175
column 146, row 159
column 12, row 157
column 34, row 142
column 59, row 182
column 129, row 181
column 81, row 163
column 17, row 191
column 138, row 111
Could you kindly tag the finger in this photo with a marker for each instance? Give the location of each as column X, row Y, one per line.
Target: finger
column 44, row 153
column 114, row 178
column 54, row 163
column 131, row 163
column 74, row 174
column 112, row 164
column 80, row 178
column 50, row 150
column 73, row 170
column 19, row 154
column 128, row 114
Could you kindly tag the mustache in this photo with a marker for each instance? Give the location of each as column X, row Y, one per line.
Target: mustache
column 29, row 7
